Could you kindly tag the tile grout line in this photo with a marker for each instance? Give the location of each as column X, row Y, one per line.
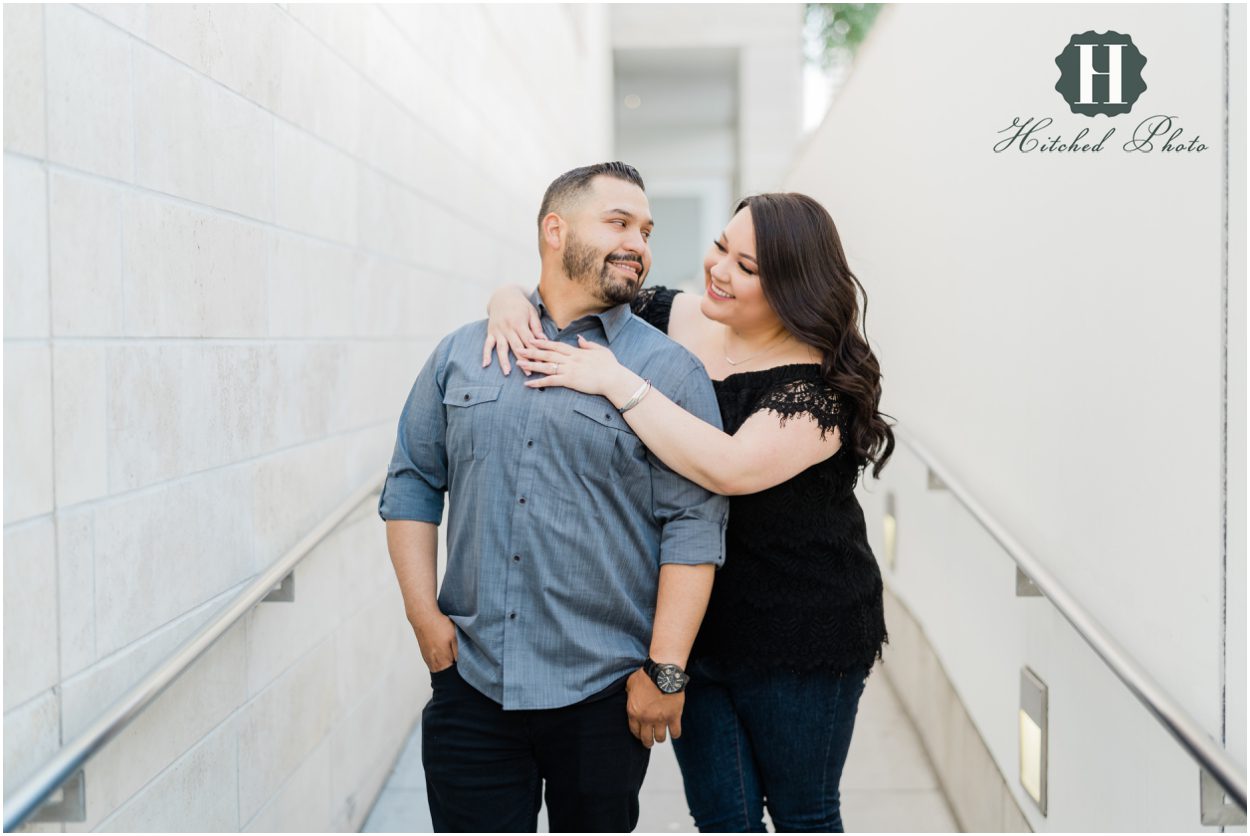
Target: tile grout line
column 47, row 240
column 196, row 610
column 206, row 606
column 247, row 220
column 436, row 200
column 387, row 94
column 131, row 493
column 229, row 717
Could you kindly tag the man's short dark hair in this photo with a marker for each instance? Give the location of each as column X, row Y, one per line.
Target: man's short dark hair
column 571, row 184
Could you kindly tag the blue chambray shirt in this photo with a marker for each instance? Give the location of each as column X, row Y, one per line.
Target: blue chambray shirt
column 559, row 518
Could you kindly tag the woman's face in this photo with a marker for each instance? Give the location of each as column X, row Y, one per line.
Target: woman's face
column 731, row 282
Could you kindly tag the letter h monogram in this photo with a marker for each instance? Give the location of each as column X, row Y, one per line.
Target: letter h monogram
column 1114, row 93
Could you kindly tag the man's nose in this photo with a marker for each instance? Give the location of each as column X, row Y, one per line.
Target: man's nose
column 636, row 243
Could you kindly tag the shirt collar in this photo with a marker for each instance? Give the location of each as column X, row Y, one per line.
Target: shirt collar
column 612, row 320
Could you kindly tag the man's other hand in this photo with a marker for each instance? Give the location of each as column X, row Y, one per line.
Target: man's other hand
column 652, row 714
column 436, row 634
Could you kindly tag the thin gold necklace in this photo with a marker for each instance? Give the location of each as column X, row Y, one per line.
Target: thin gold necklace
column 764, row 350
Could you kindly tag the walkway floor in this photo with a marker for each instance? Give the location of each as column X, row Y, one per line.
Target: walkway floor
column 887, row 786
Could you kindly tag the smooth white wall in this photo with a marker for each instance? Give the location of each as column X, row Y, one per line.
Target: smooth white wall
column 232, row 234
column 1049, row 326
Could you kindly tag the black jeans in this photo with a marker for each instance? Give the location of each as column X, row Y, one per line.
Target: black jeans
column 485, row 767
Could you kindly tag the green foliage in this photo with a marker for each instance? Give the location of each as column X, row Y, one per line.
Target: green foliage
column 839, row 29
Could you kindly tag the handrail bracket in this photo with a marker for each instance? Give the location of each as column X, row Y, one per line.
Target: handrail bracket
column 67, row 804
column 284, row 591
column 1216, row 811
column 1025, row 588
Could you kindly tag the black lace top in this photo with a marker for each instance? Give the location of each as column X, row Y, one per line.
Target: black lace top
column 800, row 588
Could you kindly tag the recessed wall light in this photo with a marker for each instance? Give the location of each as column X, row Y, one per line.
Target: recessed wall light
column 890, row 523
column 1033, row 737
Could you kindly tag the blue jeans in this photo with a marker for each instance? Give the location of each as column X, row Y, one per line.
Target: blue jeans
column 775, row 738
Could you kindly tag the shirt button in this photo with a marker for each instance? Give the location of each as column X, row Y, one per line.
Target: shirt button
column 466, row 397
column 522, row 500
column 516, row 558
column 512, row 616
column 607, row 416
column 529, row 444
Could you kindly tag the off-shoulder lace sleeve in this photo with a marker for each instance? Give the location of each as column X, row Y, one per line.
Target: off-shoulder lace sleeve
column 806, row 396
column 655, row 305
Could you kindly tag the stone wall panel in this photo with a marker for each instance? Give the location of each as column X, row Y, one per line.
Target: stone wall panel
column 226, row 259
column 27, row 430
column 85, row 257
column 89, row 95
column 25, row 129
column 25, row 245
column 31, row 657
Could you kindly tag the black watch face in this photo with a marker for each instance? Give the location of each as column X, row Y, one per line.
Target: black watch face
column 669, row 679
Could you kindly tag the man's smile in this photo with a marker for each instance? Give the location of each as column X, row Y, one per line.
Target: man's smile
column 634, row 268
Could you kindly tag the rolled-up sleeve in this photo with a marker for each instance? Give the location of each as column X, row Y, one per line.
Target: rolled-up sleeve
column 416, row 481
column 692, row 519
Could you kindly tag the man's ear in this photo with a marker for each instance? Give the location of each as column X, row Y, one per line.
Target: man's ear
column 553, row 230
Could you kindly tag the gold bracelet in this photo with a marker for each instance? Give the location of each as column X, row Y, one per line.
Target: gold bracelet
column 637, row 397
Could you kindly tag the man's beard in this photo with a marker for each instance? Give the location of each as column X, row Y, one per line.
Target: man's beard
column 579, row 262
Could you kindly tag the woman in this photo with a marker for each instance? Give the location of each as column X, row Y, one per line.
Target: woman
column 795, row 618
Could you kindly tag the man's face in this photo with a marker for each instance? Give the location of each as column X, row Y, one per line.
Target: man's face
column 606, row 249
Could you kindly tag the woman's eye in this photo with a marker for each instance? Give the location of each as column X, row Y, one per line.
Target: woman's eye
column 746, row 269
column 719, row 246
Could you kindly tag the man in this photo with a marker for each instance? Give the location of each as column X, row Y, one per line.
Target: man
column 578, row 567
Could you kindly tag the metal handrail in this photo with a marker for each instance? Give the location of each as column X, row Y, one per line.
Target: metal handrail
column 1210, row 756
column 27, row 798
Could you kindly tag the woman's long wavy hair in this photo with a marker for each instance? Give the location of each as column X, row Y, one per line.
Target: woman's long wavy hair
column 807, row 281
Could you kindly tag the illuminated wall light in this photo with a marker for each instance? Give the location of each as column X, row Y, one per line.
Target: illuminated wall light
column 890, row 524
column 633, row 101
column 1033, row 737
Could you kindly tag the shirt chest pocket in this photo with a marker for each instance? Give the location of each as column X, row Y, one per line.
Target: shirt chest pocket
column 472, row 421
column 604, row 445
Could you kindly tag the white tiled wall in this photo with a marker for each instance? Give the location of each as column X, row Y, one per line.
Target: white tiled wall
column 232, row 234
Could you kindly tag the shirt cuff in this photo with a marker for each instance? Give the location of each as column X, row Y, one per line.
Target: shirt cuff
column 693, row 542
column 410, row 499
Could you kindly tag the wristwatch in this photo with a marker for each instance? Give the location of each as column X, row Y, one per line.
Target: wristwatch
column 669, row 678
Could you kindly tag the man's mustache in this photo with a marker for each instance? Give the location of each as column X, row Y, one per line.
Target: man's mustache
column 625, row 259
